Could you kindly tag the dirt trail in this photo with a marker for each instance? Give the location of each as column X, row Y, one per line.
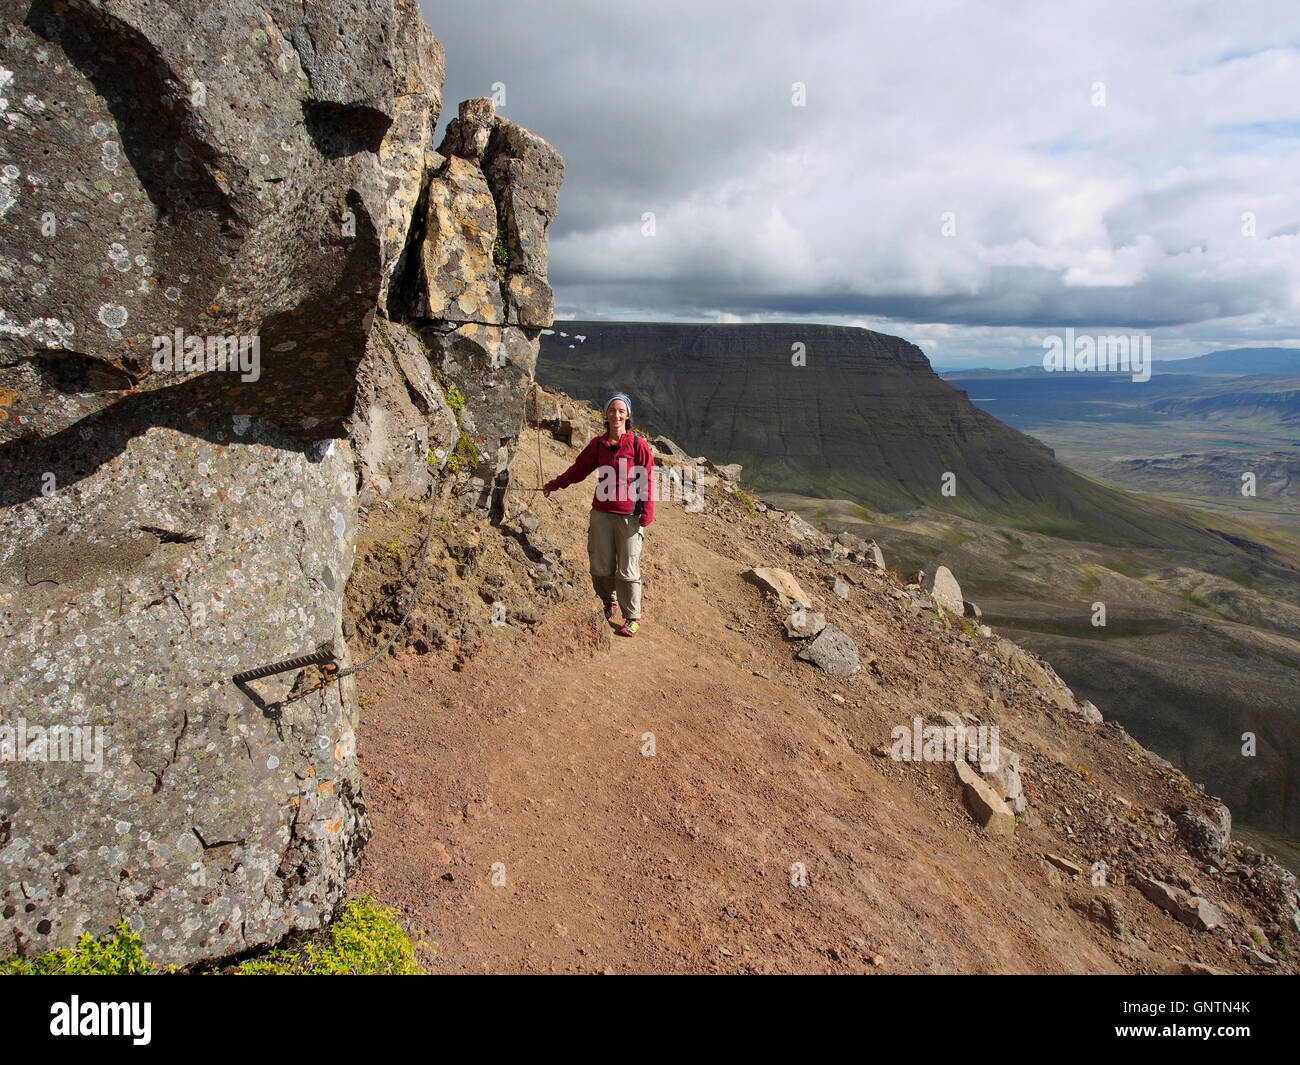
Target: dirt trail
column 531, row 756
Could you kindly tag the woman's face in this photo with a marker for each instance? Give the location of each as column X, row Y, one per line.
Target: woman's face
column 617, row 415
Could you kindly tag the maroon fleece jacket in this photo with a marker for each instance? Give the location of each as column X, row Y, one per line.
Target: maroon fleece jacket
column 618, row 478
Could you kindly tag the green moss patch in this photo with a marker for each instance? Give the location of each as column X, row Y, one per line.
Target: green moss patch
column 119, row 954
column 366, row 940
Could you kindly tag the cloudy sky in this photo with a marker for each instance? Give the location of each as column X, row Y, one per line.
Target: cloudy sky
column 972, row 176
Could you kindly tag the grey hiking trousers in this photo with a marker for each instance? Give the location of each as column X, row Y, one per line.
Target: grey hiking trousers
column 614, row 551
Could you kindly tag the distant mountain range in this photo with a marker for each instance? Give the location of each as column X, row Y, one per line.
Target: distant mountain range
column 1236, row 361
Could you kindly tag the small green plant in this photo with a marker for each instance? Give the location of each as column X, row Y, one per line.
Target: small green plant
column 390, row 551
column 119, row 954
column 366, row 940
column 741, row 497
column 500, row 251
column 465, row 457
column 454, row 399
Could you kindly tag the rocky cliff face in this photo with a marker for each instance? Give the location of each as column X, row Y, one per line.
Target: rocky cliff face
column 468, row 303
column 230, row 253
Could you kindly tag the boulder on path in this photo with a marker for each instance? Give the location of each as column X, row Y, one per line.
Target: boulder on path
column 1191, row 910
column 802, row 625
column 834, row 652
column 780, row 583
column 1277, row 886
column 1038, row 673
column 990, row 812
column 1002, row 773
column 1064, row 864
column 1207, row 834
column 947, row 592
column 797, row 526
column 565, row 419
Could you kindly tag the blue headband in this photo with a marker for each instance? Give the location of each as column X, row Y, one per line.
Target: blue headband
column 626, row 402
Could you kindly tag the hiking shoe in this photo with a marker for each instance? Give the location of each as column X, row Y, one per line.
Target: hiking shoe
column 610, row 610
column 629, row 628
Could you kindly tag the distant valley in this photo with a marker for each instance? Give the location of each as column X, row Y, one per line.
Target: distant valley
column 1187, row 435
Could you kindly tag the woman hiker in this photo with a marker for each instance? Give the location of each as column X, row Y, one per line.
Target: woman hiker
column 620, row 510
